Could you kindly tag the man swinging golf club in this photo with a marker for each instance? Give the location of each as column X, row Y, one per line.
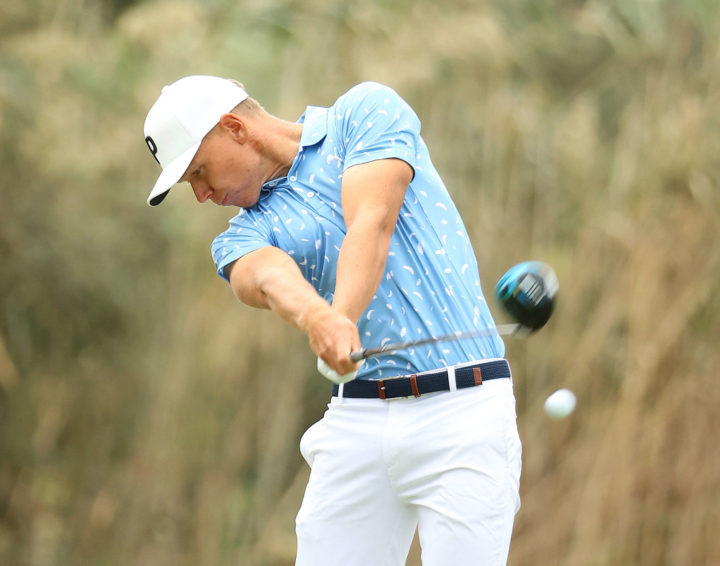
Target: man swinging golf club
column 346, row 231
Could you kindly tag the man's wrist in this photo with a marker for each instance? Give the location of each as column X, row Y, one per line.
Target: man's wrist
column 310, row 313
column 343, row 310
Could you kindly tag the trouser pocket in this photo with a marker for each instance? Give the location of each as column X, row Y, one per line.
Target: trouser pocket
column 308, row 443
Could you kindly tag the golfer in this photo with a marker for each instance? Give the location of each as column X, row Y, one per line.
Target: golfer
column 346, row 231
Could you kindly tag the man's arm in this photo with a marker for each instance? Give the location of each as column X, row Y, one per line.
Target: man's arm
column 372, row 195
column 269, row 278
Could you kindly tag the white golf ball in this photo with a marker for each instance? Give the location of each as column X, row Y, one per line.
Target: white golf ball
column 560, row 404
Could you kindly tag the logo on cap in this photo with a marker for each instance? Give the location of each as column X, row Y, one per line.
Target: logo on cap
column 152, row 146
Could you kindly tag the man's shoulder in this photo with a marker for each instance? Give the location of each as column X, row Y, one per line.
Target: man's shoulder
column 369, row 87
column 366, row 92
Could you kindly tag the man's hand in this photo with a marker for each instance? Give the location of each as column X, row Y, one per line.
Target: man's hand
column 332, row 337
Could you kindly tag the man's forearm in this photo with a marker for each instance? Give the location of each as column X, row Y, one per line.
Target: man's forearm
column 268, row 278
column 291, row 297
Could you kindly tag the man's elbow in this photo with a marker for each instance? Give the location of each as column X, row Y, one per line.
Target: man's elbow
column 247, row 289
column 376, row 225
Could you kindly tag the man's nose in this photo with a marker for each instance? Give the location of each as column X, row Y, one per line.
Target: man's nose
column 202, row 190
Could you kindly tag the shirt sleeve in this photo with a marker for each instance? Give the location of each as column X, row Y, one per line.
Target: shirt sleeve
column 378, row 124
column 245, row 234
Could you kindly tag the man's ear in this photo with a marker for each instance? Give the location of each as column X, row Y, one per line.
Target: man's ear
column 234, row 125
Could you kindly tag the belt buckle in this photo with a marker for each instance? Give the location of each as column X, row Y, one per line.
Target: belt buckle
column 413, row 385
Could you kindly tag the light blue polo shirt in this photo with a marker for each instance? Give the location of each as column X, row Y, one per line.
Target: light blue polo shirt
column 431, row 285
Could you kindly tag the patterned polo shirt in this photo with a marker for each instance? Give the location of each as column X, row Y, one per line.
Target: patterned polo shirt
column 431, row 286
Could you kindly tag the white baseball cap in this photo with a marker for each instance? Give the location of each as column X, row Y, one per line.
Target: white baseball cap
column 181, row 117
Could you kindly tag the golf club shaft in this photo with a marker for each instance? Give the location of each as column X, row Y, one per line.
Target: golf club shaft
column 503, row 329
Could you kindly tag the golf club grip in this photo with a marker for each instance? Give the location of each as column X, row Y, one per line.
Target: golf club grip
column 357, row 355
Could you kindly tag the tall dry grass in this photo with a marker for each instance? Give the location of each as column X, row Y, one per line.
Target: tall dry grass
column 147, row 418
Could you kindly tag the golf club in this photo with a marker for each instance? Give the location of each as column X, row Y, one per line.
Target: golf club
column 503, row 329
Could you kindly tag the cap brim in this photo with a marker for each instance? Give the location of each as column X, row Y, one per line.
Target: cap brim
column 171, row 175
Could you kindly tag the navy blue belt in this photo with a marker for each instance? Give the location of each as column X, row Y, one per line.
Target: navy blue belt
column 428, row 382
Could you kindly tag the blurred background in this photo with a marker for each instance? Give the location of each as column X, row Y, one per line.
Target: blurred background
column 148, row 418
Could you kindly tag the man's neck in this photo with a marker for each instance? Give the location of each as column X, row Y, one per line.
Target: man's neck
column 283, row 144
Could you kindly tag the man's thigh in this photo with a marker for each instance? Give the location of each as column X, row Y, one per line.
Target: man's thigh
column 467, row 477
column 350, row 515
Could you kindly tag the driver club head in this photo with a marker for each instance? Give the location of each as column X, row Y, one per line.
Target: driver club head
column 528, row 292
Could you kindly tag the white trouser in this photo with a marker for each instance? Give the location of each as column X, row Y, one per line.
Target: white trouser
column 448, row 463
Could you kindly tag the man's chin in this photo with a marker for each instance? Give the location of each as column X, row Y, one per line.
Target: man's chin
column 241, row 203
column 228, row 200
column 239, row 199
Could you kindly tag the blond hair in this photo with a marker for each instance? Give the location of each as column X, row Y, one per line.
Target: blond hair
column 247, row 106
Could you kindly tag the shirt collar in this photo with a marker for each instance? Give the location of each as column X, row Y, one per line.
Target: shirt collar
column 314, row 121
